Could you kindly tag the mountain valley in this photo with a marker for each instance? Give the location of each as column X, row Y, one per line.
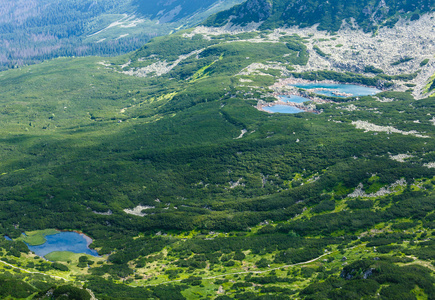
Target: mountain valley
column 166, row 161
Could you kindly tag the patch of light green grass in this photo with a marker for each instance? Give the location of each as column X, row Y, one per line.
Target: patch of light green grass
column 35, row 238
column 65, row 256
column 429, row 85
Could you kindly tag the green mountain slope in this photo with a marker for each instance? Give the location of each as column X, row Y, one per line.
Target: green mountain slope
column 368, row 14
column 270, row 212
column 189, row 190
column 33, row 31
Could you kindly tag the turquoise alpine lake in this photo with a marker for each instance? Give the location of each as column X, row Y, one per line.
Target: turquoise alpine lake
column 64, row 241
column 293, row 98
column 284, row 109
column 335, row 89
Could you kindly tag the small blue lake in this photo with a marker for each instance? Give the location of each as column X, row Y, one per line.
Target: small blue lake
column 330, row 89
column 284, row 109
column 293, row 98
column 64, row 241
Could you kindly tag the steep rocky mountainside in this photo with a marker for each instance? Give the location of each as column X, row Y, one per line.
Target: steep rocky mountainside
column 368, row 14
column 369, row 37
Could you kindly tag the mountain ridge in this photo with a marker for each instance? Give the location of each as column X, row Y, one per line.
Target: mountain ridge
column 368, row 14
column 348, row 50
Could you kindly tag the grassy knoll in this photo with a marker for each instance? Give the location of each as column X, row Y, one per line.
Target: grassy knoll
column 37, row 237
column 66, row 256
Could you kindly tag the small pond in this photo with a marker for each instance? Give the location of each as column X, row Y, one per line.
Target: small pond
column 338, row 90
column 284, row 109
column 64, row 241
column 293, row 98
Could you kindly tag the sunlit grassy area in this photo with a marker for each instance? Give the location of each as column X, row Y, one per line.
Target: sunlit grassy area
column 37, row 237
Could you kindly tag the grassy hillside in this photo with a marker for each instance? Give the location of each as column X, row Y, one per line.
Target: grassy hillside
column 331, row 205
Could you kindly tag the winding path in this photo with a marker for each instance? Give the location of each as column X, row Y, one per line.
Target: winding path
column 247, row 272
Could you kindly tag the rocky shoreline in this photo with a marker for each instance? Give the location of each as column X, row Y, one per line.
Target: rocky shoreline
column 284, row 88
